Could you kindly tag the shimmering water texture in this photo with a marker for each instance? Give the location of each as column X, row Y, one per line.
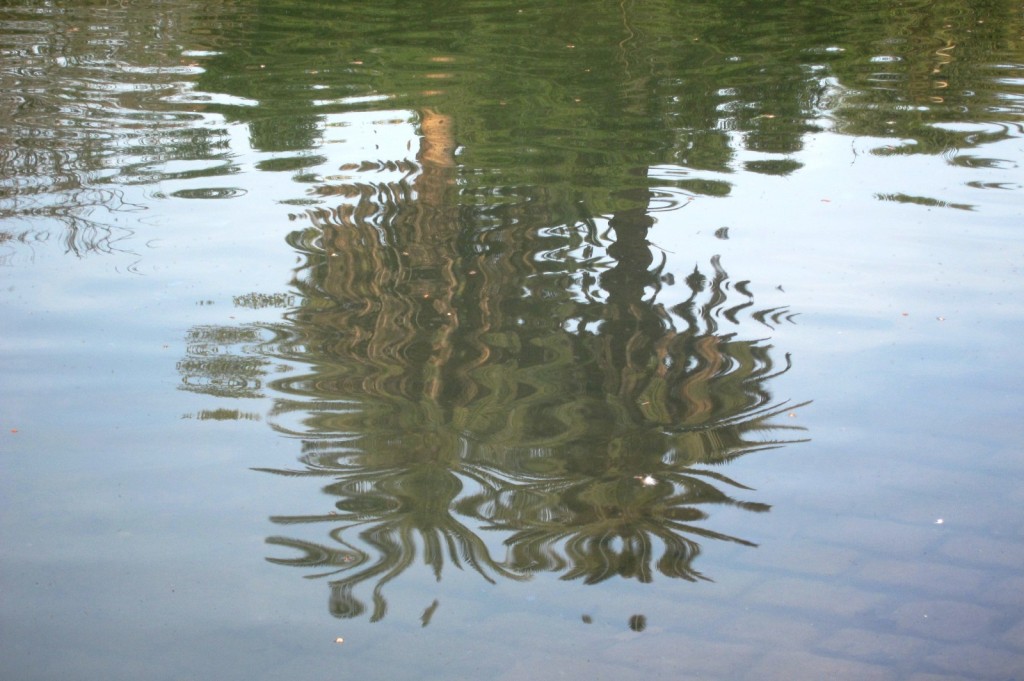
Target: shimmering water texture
column 486, row 340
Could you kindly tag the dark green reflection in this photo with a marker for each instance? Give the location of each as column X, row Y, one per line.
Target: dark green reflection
column 541, row 81
column 97, row 98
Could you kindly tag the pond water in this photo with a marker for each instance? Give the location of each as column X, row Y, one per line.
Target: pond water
column 495, row 340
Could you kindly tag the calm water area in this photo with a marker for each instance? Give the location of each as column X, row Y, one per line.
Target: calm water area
column 490, row 340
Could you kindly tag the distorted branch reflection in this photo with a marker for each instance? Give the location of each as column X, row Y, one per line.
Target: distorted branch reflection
column 471, row 374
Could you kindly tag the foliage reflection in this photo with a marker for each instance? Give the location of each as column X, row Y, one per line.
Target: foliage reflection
column 99, row 99
column 472, row 372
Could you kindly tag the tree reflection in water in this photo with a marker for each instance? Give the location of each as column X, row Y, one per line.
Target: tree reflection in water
column 476, row 371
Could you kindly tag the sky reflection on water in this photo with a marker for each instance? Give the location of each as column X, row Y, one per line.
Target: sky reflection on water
column 500, row 326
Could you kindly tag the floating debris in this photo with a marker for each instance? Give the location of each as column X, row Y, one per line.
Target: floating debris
column 428, row 613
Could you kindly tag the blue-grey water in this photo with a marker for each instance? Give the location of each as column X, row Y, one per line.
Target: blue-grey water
column 486, row 340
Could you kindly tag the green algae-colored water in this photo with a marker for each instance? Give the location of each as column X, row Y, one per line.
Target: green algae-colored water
column 485, row 340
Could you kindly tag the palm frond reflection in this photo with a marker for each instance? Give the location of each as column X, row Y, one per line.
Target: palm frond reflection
column 459, row 389
column 383, row 515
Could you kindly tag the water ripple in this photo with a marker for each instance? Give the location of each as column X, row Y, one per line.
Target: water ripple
column 209, row 193
column 84, row 101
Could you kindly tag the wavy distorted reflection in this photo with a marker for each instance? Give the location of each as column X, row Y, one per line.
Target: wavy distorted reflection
column 97, row 100
column 470, row 372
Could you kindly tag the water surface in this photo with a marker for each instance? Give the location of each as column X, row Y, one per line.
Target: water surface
column 632, row 340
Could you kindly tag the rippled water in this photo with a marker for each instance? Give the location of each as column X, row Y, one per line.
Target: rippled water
column 633, row 340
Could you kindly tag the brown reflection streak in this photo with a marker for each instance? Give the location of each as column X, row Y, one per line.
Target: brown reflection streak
column 399, row 289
